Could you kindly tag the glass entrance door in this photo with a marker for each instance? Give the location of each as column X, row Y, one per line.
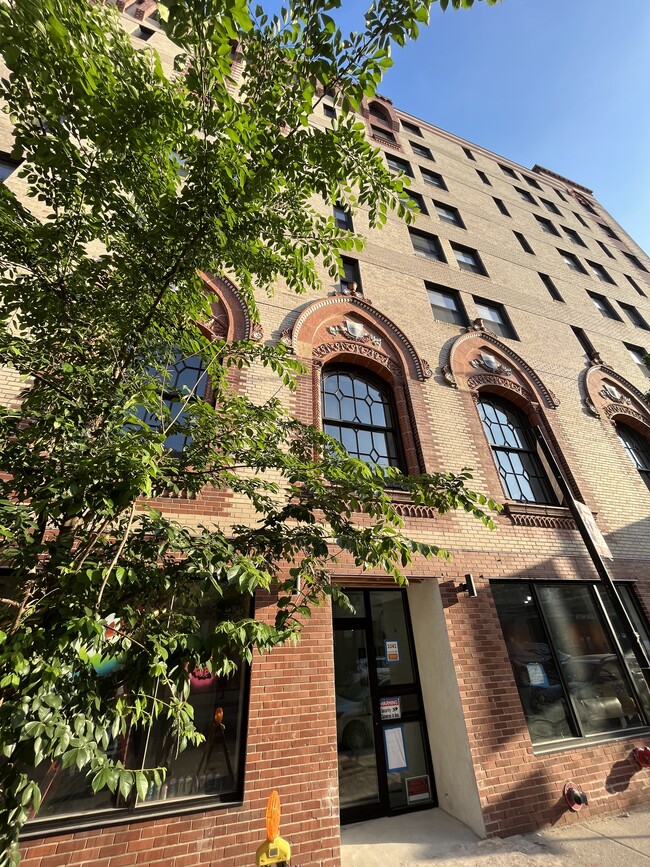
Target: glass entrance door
column 384, row 761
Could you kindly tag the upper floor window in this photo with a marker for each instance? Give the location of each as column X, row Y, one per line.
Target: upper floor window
column 635, row 285
column 608, row 231
column 532, row 182
column 635, row 261
column 553, row 291
column 638, row 354
column 446, row 305
column 419, row 201
column 469, row 154
column 484, row 178
column 551, row 207
column 395, row 164
column 526, row 196
column 561, row 195
column 358, row 411
column 351, row 277
column 388, row 134
column 426, row 245
column 501, row 205
column 634, row 316
column 572, row 261
column 511, row 173
column 606, row 250
column 449, row 214
column 412, row 128
column 7, row 167
column 604, row 305
column 421, row 151
column 580, row 219
column 573, row 236
column 547, row 226
column 495, row 318
column 468, row 259
column 515, row 452
column 433, row 178
column 600, row 272
column 329, row 110
column 637, row 448
column 343, row 217
column 379, row 115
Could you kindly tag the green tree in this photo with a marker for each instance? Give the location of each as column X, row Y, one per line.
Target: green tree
column 137, row 180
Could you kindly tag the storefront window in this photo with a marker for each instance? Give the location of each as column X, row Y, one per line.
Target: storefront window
column 564, row 647
column 209, row 772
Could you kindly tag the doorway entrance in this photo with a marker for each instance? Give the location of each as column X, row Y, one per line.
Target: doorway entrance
column 383, row 753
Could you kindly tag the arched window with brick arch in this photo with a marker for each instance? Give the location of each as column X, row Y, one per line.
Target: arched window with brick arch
column 611, row 397
column 514, row 450
column 358, row 410
column 382, row 121
column 510, row 409
column 366, row 384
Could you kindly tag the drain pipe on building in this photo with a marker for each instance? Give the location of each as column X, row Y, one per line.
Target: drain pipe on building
column 597, row 548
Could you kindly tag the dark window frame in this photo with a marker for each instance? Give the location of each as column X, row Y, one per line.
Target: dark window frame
column 635, row 350
column 387, row 393
column 437, row 255
column 573, row 236
column 526, row 196
column 411, row 128
column 635, row 286
column 349, row 265
column 577, row 264
column 634, row 441
column 547, row 226
column 551, row 206
column 456, row 220
column 523, row 243
column 500, row 308
column 600, row 272
column 480, row 268
column 434, row 179
column 634, row 315
column 552, row 289
column 484, row 178
column 583, row 339
column 604, row 306
column 468, row 153
column 422, row 151
column 508, row 172
column 419, row 200
column 346, row 223
column 501, row 206
column 462, row 318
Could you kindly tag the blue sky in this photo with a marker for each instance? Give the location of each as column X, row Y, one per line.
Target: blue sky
column 562, row 83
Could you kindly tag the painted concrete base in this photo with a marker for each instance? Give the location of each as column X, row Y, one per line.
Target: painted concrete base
column 433, row 837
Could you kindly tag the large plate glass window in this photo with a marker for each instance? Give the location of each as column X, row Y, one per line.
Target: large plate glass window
column 572, row 659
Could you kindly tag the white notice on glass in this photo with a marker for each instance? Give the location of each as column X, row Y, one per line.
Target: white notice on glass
column 395, row 749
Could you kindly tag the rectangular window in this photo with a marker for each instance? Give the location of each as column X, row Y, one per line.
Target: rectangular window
column 572, row 661
column 553, row 291
column 449, row 214
column 329, row 110
column 635, row 285
column 511, row 173
column 495, row 318
column 573, row 236
column 600, row 272
column 604, row 305
column 635, row 261
column 551, row 207
column 634, row 316
column 638, row 354
column 525, row 246
column 573, row 262
column 526, row 196
column 343, row 217
column 584, row 341
column 501, row 205
column 407, row 126
column 426, row 245
column 206, row 774
column 421, row 151
column 532, row 182
column 381, row 132
column 433, row 178
column 419, row 201
column 351, row 274
column 469, row 154
column 581, row 219
column 446, row 305
column 7, row 167
column 395, row 164
column 561, row 195
column 468, row 260
column 547, row 226
column 606, row 250
column 589, row 208
column 142, row 32
column 608, row 231
column 484, row 178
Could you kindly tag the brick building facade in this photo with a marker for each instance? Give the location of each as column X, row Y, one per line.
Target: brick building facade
column 514, row 300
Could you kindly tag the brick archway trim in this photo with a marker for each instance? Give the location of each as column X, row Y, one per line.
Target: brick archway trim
column 319, row 311
column 240, row 325
column 629, row 402
column 455, row 370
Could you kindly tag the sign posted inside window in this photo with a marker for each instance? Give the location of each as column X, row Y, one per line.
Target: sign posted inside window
column 418, row 789
column 395, row 749
column 392, row 650
column 390, row 708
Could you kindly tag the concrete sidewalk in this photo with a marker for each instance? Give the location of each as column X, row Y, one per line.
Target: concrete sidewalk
column 433, row 837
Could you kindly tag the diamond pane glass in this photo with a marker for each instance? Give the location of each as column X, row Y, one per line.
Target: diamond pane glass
column 515, row 455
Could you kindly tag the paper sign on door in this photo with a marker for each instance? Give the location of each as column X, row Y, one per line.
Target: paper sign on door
column 391, row 649
column 390, row 708
column 395, row 749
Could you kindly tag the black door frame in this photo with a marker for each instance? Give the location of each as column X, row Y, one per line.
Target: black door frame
column 383, row 808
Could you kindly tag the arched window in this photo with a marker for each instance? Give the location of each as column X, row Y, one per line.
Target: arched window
column 515, row 453
column 637, row 448
column 184, row 380
column 358, row 411
column 379, row 115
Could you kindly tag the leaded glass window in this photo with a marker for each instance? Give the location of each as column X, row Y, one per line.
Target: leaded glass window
column 637, row 448
column 184, row 380
column 358, row 412
column 515, row 454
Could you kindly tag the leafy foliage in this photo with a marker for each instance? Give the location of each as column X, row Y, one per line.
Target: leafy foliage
column 136, row 181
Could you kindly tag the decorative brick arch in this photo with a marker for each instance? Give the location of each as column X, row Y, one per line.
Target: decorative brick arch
column 609, row 396
column 385, row 116
column 230, row 317
column 343, row 329
column 480, row 362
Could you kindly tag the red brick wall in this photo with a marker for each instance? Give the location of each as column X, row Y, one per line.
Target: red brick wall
column 291, row 747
